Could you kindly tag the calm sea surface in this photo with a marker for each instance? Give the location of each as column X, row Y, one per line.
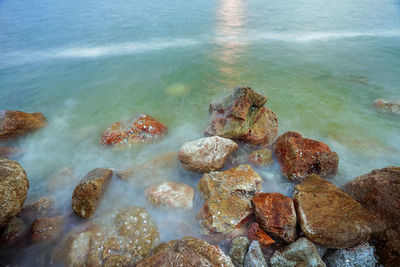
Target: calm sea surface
column 86, row 64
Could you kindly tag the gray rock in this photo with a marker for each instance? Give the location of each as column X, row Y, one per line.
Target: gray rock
column 239, row 247
column 359, row 256
column 254, row 256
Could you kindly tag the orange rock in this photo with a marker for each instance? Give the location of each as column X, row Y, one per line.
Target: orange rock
column 14, row 124
column 256, row 233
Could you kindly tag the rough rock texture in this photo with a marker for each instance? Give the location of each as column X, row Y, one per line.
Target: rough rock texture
column 47, row 228
column 122, row 239
column 171, row 194
column 388, row 106
column 188, row 251
column 206, row 154
column 9, row 152
column 13, row 232
column 276, row 215
column 238, row 250
column 379, row 192
column 330, row 217
column 38, row 209
column 227, row 198
column 241, row 116
column 88, row 193
column 254, row 256
column 361, row 255
column 300, row 253
column 138, row 129
column 14, row 124
column 299, row 157
column 261, row 157
column 256, row 233
column 14, row 187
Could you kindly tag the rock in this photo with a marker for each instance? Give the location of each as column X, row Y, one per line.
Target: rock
column 14, row 124
column 9, row 152
column 40, row 208
column 261, row 157
column 227, row 197
column 238, row 250
column 299, row 157
column 47, row 228
column 256, row 233
column 13, row 232
column 330, row 217
column 276, row 215
column 138, row 129
column 254, row 256
column 387, row 244
column 361, row 255
column 14, row 187
column 206, row 154
column 61, row 179
column 388, row 106
column 188, row 251
column 241, row 116
column 171, row 194
column 177, row 90
column 300, row 253
column 89, row 192
column 121, row 239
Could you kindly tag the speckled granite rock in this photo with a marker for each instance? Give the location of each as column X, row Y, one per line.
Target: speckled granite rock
column 254, row 256
column 359, row 256
column 238, row 250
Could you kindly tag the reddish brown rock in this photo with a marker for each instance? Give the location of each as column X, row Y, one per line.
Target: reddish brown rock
column 242, row 116
column 276, row 215
column 261, row 157
column 206, row 154
column 330, row 217
column 387, row 244
column 9, row 152
column 299, row 157
column 47, row 228
column 13, row 232
column 89, row 192
column 256, row 233
column 14, row 124
column 14, row 187
column 171, row 194
column 40, row 208
column 138, row 129
column 388, row 106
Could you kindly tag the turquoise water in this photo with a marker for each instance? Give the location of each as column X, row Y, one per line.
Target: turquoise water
column 86, row 65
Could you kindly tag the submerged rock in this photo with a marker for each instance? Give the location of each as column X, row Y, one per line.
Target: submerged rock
column 300, row 253
column 388, row 106
column 138, row 129
column 227, row 198
column 47, row 228
column 330, row 217
column 39, row 208
column 171, row 194
column 261, row 157
column 361, row 255
column 299, row 157
column 9, row 152
column 14, row 187
column 276, row 215
column 14, row 124
column 13, row 232
column 238, row 250
column 254, row 256
column 61, row 179
column 241, row 116
column 206, row 154
column 89, row 192
column 256, row 233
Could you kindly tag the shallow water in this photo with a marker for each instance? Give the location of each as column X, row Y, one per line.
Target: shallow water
column 86, row 65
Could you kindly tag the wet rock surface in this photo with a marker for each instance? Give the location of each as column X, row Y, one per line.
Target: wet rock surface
column 254, row 256
column 254, row 232
column 89, row 192
column 388, row 106
column 9, row 152
column 238, row 250
column 361, row 255
column 303, row 252
column 298, row 157
column 14, row 124
column 330, row 217
column 14, row 187
column 206, row 154
column 261, row 157
column 276, row 215
column 13, row 232
column 242, row 116
column 138, row 129
column 47, row 228
column 387, row 244
column 171, row 194
column 227, row 197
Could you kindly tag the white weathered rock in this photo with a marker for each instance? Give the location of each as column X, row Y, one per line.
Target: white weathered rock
column 171, row 194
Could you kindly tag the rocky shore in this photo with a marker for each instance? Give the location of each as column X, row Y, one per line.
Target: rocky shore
column 319, row 224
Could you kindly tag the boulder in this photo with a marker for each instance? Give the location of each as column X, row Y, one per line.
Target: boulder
column 388, row 106
column 42, row 207
column 171, row 194
column 47, row 228
column 9, row 152
column 261, row 157
column 256, row 233
column 238, row 250
column 138, row 129
column 298, row 157
column 254, row 256
column 13, row 232
column 330, row 217
column 242, row 116
column 276, row 215
column 300, row 253
column 387, row 244
column 14, row 124
column 206, row 154
column 14, row 187
column 89, row 192
column 361, row 255
column 227, row 197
